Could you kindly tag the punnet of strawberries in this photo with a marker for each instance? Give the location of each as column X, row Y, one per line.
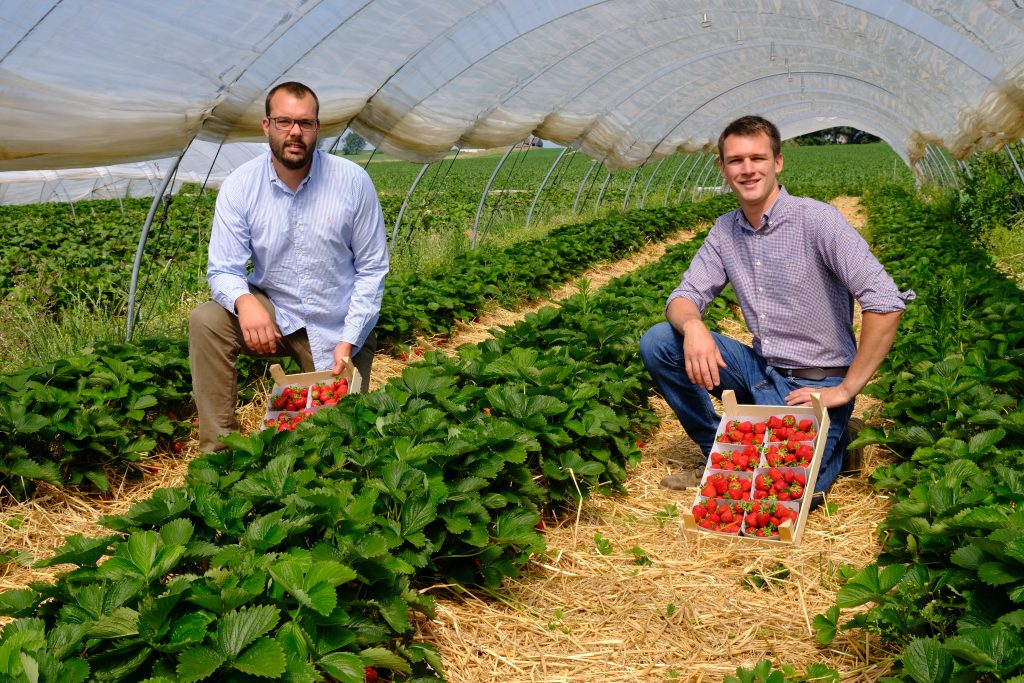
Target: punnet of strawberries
column 731, row 486
column 789, row 428
column 287, row 421
column 762, row 519
column 292, row 399
column 328, row 393
column 743, row 432
column 744, row 460
column 789, row 454
column 777, row 483
column 720, row 516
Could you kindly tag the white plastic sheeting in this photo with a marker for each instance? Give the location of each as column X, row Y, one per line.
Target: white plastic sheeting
column 205, row 164
column 97, row 82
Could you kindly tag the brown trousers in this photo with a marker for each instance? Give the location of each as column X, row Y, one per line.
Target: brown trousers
column 214, row 343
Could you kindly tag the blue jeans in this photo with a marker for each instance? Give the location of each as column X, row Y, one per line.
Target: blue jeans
column 747, row 374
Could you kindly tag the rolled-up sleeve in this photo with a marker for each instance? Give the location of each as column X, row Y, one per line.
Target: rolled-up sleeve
column 705, row 278
column 849, row 257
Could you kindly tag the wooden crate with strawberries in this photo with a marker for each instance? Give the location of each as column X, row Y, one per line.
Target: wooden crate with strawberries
column 760, row 475
column 296, row 397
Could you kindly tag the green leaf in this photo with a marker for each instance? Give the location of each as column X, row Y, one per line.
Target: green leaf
column 29, row 469
column 119, row 623
column 191, row 629
column 344, row 667
column 264, row 658
column 395, row 611
column 198, row 663
column 385, row 659
column 985, row 441
column 826, row 625
column 239, row 628
column 998, row 573
column 869, row 585
column 925, row 661
column 176, row 532
column 18, row 602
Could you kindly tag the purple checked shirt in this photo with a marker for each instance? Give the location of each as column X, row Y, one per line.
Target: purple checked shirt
column 796, row 277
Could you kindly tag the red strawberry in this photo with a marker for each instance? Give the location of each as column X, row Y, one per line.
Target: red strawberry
column 709, row 491
column 805, row 425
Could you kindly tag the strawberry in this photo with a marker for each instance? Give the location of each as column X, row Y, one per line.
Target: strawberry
column 745, row 427
column 709, row 491
column 805, row 425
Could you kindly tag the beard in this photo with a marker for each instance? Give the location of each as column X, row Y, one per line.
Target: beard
column 290, row 159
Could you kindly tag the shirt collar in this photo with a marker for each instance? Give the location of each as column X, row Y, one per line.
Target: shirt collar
column 771, row 217
column 273, row 179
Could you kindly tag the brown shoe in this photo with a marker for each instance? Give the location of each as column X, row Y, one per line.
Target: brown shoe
column 683, row 480
column 853, row 459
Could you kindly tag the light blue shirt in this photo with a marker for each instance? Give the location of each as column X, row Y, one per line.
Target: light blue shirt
column 319, row 253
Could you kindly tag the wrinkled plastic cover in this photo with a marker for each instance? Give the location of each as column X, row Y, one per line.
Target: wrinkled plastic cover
column 101, row 82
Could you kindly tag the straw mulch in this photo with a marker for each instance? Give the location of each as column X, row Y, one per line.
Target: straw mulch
column 623, row 593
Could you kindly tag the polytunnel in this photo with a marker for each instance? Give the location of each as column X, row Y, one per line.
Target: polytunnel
column 92, row 84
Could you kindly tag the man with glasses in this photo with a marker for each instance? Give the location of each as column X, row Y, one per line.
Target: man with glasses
column 311, row 226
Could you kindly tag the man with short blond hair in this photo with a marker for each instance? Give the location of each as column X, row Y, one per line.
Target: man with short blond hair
column 796, row 266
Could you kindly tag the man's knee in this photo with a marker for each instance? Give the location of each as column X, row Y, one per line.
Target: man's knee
column 205, row 317
column 657, row 342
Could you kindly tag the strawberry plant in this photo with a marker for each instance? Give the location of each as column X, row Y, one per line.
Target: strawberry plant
column 947, row 585
column 63, row 423
column 295, row 553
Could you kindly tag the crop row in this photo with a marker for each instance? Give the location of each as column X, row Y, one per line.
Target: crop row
column 948, row 586
column 108, row 404
column 415, row 304
column 297, row 554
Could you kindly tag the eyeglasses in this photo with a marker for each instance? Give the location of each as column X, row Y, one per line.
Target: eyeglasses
column 284, row 123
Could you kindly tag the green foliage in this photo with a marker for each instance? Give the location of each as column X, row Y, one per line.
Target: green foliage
column 416, row 304
column 990, row 196
column 765, row 672
column 63, row 423
column 296, row 555
column 948, row 585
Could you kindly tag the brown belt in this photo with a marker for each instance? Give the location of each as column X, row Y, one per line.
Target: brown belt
column 811, row 373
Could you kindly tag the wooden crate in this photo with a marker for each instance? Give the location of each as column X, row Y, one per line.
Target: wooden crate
column 789, row 531
column 302, row 379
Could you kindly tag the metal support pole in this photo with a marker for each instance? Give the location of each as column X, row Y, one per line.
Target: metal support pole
column 949, row 167
column 682, row 187
column 1015, row 164
column 647, row 187
column 483, row 196
column 708, row 165
column 600, row 192
column 943, row 167
column 632, row 180
column 940, row 174
column 405, row 202
column 583, row 184
column 142, row 241
column 672, row 180
column 529, row 214
column 936, row 171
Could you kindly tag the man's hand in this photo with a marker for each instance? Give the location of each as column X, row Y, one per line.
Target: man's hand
column 258, row 328
column 342, row 357
column 701, row 354
column 831, row 397
column 703, row 359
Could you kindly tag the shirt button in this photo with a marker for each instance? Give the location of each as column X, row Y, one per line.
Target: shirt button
column 760, row 289
column 757, row 263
